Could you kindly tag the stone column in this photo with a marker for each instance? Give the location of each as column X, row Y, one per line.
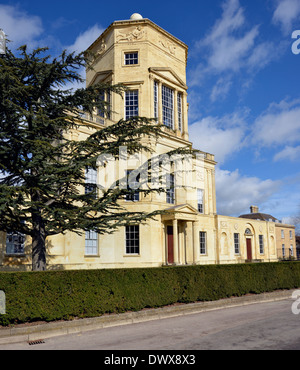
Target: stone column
column 175, row 242
column 159, row 98
column 195, row 242
column 185, row 116
column 175, row 112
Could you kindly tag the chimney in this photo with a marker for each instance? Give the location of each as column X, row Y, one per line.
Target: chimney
column 254, row 209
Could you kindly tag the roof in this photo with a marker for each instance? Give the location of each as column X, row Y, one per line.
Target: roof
column 139, row 21
column 260, row 216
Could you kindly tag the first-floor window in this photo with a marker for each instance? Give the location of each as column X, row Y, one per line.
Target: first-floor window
column 105, row 101
column 132, row 239
column 91, row 181
column 168, row 106
column 131, row 104
column 200, row 200
column 237, row 243
column 261, row 244
column 156, row 99
column 91, row 243
column 282, row 234
column 132, row 186
column 171, row 190
column 15, row 243
column 291, row 234
column 202, row 237
column 179, row 106
column 131, row 58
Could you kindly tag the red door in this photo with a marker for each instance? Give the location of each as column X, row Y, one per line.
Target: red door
column 170, row 245
column 249, row 249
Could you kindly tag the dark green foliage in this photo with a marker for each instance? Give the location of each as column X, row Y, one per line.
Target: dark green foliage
column 63, row 295
column 41, row 190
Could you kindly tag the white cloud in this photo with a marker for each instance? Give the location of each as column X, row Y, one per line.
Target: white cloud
column 229, row 49
column 81, row 43
column 279, row 124
column 236, row 193
column 221, row 89
column 85, row 39
column 286, row 12
column 222, row 137
column 20, row 27
column 231, row 46
column 288, row 153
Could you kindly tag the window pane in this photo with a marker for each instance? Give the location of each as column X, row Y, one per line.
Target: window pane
column 131, row 104
column 155, row 99
column 261, row 244
column 202, row 242
column 200, row 200
column 15, row 243
column 91, row 182
column 237, row 243
column 171, row 190
column 132, row 239
column 168, row 106
column 91, row 243
column 131, row 58
column 134, row 196
column 179, row 104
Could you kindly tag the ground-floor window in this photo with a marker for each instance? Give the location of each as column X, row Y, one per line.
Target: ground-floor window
column 261, row 244
column 132, row 239
column 15, row 243
column 237, row 243
column 202, row 237
column 91, row 243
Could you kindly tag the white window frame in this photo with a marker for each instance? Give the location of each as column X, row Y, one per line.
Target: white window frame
column 203, row 242
column 131, row 103
column 261, row 244
column 129, row 231
column 155, row 97
column 179, row 109
column 132, row 197
column 236, row 237
column 91, row 243
column 168, row 106
column 200, row 197
column 170, row 194
column 15, row 243
column 90, row 181
column 133, row 58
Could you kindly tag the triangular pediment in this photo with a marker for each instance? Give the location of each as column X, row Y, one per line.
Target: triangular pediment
column 183, row 208
column 169, row 75
column 100, row 77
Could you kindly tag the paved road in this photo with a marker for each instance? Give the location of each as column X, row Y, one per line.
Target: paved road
column 262, row 326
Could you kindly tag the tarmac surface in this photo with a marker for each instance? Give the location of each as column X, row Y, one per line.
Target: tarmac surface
column 40, row 331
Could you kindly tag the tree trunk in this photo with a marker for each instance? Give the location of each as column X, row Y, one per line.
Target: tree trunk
column 38, row 244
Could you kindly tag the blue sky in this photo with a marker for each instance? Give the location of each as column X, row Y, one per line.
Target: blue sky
column 242, row 75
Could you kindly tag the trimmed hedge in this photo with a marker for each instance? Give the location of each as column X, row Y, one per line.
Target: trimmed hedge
column 64, row 295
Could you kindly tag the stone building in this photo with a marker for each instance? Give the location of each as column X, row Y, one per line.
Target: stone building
column 285, row 234
column 152, row 63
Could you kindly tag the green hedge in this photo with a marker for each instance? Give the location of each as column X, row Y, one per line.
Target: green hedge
column 63, row 295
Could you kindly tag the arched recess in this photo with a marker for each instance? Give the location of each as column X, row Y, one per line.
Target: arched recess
column 224, row 244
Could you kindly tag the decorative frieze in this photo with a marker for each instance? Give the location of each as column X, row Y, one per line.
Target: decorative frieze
column 135, row 35
column 168, row 46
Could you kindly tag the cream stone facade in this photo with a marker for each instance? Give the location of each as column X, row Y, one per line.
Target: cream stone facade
column 152, row 63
